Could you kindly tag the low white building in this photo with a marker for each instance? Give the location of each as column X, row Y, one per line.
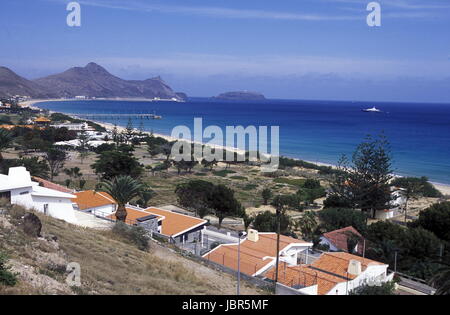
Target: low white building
column 331, row 274
column 74, row 127
column 258, row 252
column 18, row 188
column 76, row 143
column 98, row 203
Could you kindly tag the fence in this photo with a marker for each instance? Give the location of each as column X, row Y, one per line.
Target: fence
column 230, row 261
column 110, row 217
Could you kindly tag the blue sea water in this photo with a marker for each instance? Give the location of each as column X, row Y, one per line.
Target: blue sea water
column 318, row 131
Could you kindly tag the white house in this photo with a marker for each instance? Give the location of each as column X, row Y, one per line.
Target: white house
column 73, row 126
column 98, row 203
column 19, row 189
column 331, row 274
column 258, row 252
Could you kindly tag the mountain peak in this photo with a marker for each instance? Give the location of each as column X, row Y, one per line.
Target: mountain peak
column 93, row 67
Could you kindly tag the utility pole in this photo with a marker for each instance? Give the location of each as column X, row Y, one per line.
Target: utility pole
column 395, row 261
column 239, row 262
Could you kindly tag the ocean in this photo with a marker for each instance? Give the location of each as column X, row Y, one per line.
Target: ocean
column 317, row 131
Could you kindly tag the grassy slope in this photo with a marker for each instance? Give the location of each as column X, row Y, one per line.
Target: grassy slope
column 108, row 264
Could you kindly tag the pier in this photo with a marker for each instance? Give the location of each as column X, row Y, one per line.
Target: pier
column 112, row 116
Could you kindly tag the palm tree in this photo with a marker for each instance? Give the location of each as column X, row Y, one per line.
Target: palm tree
column 145, row 196
column 122, row 189
column 307, row 225
column 441, row 280
column 6, row 140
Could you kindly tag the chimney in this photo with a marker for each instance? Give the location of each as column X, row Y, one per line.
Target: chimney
column 354, row 267
column 253, row 235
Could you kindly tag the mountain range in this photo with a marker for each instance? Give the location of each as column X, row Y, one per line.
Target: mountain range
column 90, row 81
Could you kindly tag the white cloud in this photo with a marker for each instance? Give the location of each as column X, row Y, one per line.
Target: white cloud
column 270, row 65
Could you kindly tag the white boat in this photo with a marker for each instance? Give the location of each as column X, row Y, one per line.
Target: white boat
column 372, row 110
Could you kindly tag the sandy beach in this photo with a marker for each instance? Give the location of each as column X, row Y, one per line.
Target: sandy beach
column 443, row 188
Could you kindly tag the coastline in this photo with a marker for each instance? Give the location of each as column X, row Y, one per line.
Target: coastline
column 442, row 187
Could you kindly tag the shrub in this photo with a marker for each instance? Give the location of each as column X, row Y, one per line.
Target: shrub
column 6, row 276
column 387, row 288
column 223, row 173
column 134, row 234
column 267, row 222
column 334, row 219
column 290, row 181
column 17, row 212
column 436, row 219
column 249, row 187
column 239, row 177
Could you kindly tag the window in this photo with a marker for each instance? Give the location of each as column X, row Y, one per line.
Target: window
column 24, row 193
column 46, row 209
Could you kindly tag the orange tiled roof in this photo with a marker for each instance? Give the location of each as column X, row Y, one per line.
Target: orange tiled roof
column 327, row 271
column 133, row 215
column 254, row 255
column 173, row 223
column 337, row 263
column 9, row 127
column 50, row 185
column 339, row 238
column 90, row 199
column 42, row 119
column 304, row 276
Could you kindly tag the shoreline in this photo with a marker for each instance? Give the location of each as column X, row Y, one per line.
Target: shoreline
column 442, row 187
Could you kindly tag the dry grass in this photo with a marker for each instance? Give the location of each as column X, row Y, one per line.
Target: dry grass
column 108, row 264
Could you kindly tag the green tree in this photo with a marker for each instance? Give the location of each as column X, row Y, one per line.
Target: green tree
column 185, row 165
column 209, row 164
column 115, row 163
column 412, row 188
column 122, row 189
column 366, row 182
column 436, row 219
column 441, row 279
column 74, row 173
column 55, row 158
column 335, row 219
column 34, row 165
column 224, row 204
column 195, row 194
column 6, row 140
column 248, row 220
column 267, row 222
column 83, row 147
column 266, row 195
column 387, row 288
column 129, row 131
column 145, row 196
column 307, row 225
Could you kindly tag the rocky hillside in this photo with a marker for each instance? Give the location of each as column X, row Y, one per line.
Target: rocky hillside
column 94, row 81
column 109, row 264
column 91, row 80
column 12, row 84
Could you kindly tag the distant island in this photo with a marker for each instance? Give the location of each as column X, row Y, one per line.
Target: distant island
column 241, row 96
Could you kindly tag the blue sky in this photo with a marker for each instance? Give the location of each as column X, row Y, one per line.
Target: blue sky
column 305, row 49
